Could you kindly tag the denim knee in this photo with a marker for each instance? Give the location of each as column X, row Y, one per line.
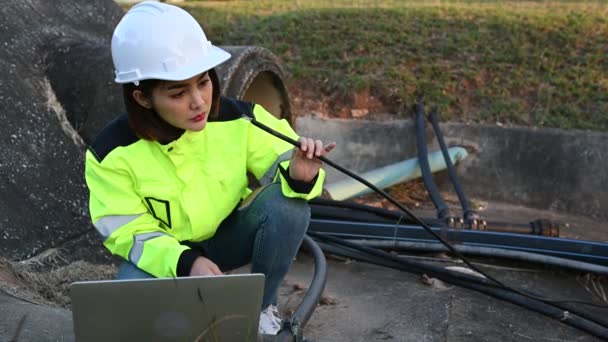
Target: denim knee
column 127, row 270
column 294, row 212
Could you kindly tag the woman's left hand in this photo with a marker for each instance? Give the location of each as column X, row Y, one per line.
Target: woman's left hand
column 304, row 165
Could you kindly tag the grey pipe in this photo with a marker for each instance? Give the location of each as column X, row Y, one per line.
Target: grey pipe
column 487, row 251
column 443, row 212
column 389, row 175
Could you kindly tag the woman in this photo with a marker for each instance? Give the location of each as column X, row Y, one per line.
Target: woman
column 168, row 181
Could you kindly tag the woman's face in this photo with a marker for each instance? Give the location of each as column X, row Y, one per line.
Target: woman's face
column 183, row 104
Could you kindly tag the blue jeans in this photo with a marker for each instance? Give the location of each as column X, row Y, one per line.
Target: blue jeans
column 267, row 232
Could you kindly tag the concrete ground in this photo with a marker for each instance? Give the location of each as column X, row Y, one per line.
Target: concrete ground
column 364, row 302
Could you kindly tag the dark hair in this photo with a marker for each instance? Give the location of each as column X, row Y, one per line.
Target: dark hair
column 146, row 122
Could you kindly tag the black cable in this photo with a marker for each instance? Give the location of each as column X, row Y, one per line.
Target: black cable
column 397, row 204
column 387, row 215
column 370, row 185
column 443, row 211
column 435, row 270
column 567, row 315
column 542, row 259
column 338, row 212
column 341, row 250
column 444, row 274
column 573, row 319
column 292, row 328
column 414, row 266
column 353, row 211
column 464, row 202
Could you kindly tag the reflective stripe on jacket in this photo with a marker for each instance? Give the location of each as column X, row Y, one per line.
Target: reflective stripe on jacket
column 146, row 197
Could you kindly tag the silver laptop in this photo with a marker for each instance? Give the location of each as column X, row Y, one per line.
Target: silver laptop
column 213, row 308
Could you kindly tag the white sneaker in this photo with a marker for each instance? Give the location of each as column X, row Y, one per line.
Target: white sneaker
column 270, row 323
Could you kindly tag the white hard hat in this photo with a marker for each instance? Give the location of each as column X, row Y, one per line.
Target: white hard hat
column 160, row 41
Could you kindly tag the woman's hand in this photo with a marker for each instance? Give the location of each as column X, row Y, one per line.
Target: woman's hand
column 203, row 266
column 304, row 165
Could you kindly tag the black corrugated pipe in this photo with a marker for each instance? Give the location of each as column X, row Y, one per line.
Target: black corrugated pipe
column 567, row 316
column 469, row 215
column 293, row 326
column 443, row 212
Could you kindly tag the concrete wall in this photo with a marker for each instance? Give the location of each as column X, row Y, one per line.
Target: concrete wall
column 541, row 168
column 362, row 145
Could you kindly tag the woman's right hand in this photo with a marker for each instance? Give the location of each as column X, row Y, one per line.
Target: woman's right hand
column 203, row 266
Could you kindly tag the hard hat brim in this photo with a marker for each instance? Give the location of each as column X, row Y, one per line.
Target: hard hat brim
column 216, row 57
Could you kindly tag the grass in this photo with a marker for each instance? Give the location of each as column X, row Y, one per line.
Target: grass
column 537, row 63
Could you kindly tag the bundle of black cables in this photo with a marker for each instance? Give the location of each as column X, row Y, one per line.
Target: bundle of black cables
column 486, row 284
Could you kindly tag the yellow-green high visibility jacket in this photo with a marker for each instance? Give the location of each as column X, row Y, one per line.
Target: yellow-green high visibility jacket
column 146, row 197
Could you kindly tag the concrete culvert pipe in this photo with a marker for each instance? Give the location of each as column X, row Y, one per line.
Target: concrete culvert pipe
column 255, row 74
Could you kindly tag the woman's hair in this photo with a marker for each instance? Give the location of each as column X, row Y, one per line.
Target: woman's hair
column 146, row 122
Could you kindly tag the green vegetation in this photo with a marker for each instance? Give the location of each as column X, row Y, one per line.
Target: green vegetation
column 540, row 63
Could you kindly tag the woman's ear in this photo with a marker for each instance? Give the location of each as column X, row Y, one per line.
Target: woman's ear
column 143, row 101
